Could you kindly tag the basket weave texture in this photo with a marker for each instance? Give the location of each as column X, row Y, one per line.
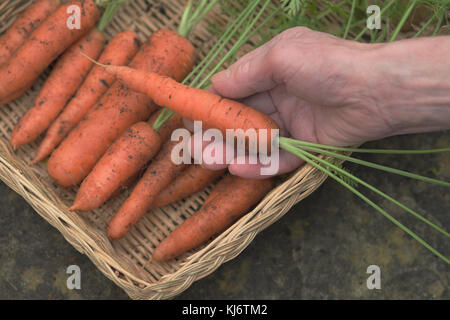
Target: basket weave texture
column 126, row 262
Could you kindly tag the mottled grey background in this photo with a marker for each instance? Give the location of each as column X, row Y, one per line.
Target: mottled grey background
column 319, row 250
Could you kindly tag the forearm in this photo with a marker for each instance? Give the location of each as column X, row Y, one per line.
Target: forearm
column 412, row 84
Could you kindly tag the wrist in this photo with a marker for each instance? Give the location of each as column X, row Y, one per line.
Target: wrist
column 411, row 84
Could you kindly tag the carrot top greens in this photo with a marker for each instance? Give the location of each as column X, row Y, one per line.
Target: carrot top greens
column 111, row 8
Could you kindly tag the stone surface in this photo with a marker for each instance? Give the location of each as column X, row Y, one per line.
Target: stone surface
column 319, row 250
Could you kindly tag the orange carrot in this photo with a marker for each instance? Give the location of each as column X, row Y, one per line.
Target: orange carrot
column 122, row 161
column 196, row 104
column 134, row 148
column 60, row 86
column 164, row 133
column 194, row 179
column 27, row 22
column 161, row 171
column 119, row 51
column 230, row 199
column 166, row 53
column 43, row 46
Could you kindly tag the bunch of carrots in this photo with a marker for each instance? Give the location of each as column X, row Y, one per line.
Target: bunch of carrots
column 102, row 124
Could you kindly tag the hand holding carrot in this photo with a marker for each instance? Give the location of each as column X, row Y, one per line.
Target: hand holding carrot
column 327, row 90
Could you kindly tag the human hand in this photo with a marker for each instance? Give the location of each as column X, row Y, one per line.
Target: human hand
column 323, row 89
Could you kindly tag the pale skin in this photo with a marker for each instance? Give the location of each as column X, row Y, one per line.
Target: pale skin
column 327, row 90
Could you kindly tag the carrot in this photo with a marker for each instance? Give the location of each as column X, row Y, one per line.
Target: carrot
column 43, row 46
column 60, row 86
column 194, row 179
column 230, row 199
column 196, row 104
column 119, row 51
column 27, row 22
column 166, row 53
column 122, row 161
column 161, row 171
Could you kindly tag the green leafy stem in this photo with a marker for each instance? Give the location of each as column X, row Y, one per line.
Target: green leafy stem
column 303, row 150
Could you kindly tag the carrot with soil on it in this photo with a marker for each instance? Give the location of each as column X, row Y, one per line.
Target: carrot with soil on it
column 122, row 161
column 231, row 198
column 62, row 83
column 194, row 179
column 196, row 104
column 159, row 174
column 164, row 133
column 60, row 86
column 27, row 22
column 42, row 47
column 166, row 52
column 120, row 50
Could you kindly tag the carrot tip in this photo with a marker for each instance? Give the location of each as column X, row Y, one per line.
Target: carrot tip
column 38, row 158
column 13, row 144
column 73, row 208
column 112, row 235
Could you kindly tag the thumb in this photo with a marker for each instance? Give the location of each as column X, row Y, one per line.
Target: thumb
column 251, row 74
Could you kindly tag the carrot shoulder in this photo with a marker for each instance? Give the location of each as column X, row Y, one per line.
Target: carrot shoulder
column 27, row 22
column 43, row 46
column 60, row 86
column 119, row 51
column 230, row 199
column 167, row 53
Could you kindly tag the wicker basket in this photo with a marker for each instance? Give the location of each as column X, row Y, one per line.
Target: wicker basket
column 126, row 261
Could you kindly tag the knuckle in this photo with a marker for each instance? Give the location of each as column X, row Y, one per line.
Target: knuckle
column 276, row 56
column 295, row 32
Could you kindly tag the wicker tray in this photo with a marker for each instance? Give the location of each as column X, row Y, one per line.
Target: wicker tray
column 126, row 261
